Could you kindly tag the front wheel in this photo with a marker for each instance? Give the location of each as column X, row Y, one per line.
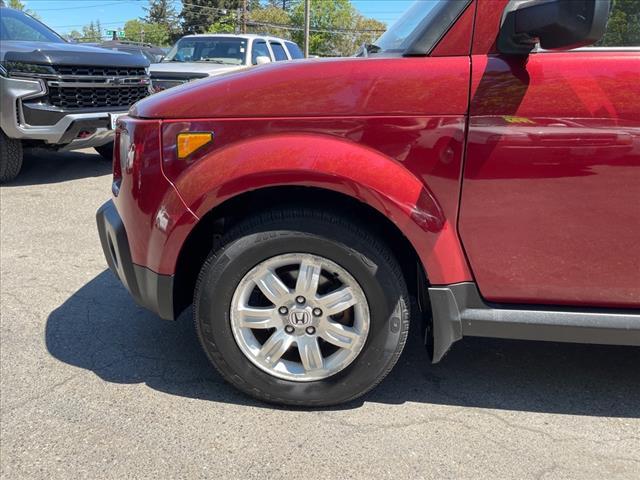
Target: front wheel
column 10, row 158
column 299, row 308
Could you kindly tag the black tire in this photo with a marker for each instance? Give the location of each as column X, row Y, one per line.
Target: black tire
column 105, row 151
column 10, row 158
column 339, row 239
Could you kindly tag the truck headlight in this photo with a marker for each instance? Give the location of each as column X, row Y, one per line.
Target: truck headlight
column 22, row 69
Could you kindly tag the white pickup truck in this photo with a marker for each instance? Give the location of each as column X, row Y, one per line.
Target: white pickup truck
column 201, row 56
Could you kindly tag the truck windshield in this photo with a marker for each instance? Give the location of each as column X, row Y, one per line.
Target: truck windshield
column 223, row 50
column 15, row 25
column 427, row 19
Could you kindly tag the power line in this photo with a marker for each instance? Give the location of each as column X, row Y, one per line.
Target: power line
column 85, row 6
column 314, row 30
column 287, row 27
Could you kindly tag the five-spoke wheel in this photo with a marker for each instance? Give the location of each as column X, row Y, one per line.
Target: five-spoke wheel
column 300, row 317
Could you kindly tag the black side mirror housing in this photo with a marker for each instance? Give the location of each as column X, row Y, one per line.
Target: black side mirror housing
column 555, row 24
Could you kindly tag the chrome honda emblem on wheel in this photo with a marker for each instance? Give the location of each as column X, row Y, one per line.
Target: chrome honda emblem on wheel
column 299, row 319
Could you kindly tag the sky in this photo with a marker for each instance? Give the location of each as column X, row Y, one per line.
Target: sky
column 66, row 15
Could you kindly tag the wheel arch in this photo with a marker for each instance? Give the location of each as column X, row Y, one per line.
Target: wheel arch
column 202, row 238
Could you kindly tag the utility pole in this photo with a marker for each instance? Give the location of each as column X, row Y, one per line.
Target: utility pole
column 244, row 16
column 307, row 26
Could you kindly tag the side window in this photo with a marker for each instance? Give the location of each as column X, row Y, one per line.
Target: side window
column 623, row 29
column 294, row 50
column 278, row 51
column 260, row 49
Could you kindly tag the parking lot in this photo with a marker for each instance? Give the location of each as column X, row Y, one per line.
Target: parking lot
column 94, row 386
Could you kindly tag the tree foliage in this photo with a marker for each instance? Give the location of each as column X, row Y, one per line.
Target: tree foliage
column 198, row 16
column 91, row 32
column 337, row 27
column 262, row 20
column 19, row 5
column 73, row 36
column 286, row 5
column 162, row 12
column 227, row 23
column 155, row 33
column 623, row 29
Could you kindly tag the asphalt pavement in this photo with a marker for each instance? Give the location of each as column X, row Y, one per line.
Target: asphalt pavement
column 92, row 386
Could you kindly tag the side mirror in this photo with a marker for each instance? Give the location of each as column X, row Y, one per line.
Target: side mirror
column 555, row 24
column 262, row 60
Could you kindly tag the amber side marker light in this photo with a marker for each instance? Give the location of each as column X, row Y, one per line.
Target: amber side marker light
column 189, row 142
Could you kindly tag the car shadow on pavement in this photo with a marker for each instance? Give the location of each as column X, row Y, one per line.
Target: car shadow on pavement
column 47, row 166
column 100, row 329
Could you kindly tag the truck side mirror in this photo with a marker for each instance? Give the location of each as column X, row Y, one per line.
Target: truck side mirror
column 262, row 60
column 555, row 24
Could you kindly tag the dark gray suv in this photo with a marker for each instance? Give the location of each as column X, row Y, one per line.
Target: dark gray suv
column 60, row 95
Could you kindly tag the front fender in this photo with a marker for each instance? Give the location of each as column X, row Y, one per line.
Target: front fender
column 334, row 164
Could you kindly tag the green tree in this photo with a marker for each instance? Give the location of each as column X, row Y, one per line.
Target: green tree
column 366, row 30
column 99, row 31
column 73, row 36
column 227, row 23
column 261, row 20
column 18, row 5
column 155, row 33
column 198, row 16
column 162, row 12
column 90, row 33
column 623, row 29
column 285, row 5
column 337, row 28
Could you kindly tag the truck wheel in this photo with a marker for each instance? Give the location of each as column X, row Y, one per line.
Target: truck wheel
column 10, row 158
column 106, row 151
column 300, row 307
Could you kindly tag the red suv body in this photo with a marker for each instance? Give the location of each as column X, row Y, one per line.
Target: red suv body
column 503, row 187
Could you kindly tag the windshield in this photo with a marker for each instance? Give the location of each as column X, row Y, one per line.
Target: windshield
column 430, row 17
column 15, row 25
column 223, row 50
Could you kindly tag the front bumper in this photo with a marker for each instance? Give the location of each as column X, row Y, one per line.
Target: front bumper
column 149, row 289
column 50, row 126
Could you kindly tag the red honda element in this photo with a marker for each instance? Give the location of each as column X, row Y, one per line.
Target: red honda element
column 473, row 159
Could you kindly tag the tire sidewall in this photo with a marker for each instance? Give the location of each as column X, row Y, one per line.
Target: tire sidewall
column 11, row 155
column 387, row 306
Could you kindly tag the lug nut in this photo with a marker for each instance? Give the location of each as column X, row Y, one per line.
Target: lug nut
column 300, row 299
column 289, row 329
column 310, row 330
column 317, row 312
column 283, row 310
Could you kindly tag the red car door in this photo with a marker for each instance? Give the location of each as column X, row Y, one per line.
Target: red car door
column 550, row 205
